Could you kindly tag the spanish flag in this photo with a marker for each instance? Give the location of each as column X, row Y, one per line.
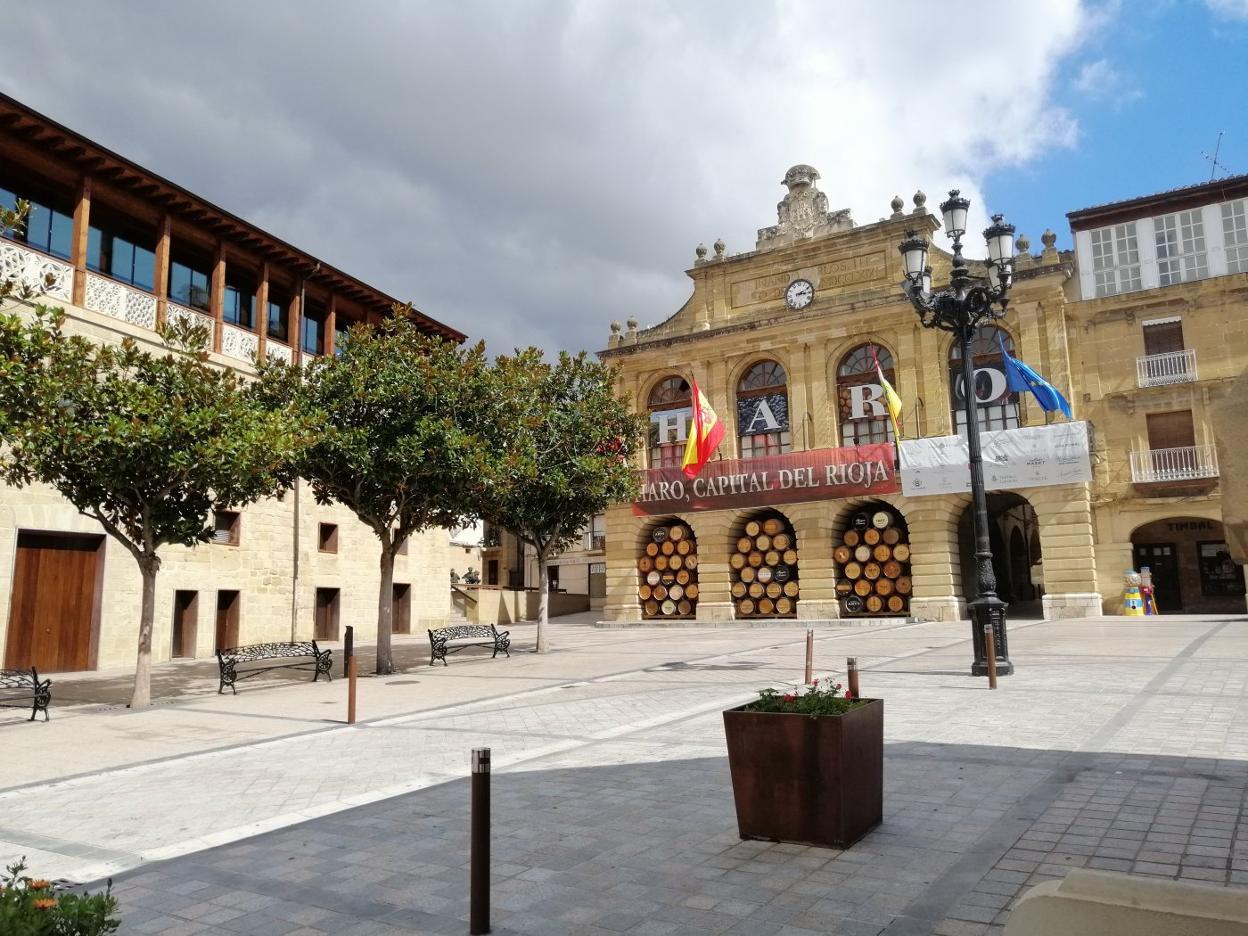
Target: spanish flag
column 891, row 399
column 704, row 435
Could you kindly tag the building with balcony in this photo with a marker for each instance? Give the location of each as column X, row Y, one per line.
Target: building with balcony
column 124, row 250
column 810, row 510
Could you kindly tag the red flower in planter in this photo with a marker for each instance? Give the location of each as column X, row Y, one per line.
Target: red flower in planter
column 848, row 694
column 789, row 697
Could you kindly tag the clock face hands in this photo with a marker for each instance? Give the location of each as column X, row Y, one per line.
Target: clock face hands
column 800, row 294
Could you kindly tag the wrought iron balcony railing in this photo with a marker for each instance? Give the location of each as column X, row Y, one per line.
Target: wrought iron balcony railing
column 1186, row 463
column 1172, row 367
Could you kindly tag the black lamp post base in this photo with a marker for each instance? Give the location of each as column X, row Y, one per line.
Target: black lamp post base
column 980, row 667
column 982, row 612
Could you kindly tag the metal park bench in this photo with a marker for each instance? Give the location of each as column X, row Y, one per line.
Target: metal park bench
column 20, row 688
column 270, row 656
column 453, row 639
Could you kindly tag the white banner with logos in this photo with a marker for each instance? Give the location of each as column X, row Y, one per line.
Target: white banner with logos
column 1034, row 456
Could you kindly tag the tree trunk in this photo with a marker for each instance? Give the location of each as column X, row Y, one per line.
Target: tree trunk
column 385, row 613
column 543, row 601
column 142, row 695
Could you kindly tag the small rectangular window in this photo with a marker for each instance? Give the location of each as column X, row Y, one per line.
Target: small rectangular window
column 1163, row 337
column 239, row 301
column 116, row 248
column 277, row 315
column 1235, row 235
column 190, row 282
column 312, row 331
column 1180, row 241
column 1116, row 259
column 327, row 538
column 225, row 527
column 1220, row 575
column 1171, row 430
column 47, row 228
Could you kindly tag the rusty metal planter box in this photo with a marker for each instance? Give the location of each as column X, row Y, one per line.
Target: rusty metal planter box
column 809, row 780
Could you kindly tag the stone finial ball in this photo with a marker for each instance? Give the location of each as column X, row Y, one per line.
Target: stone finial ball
column 1048, row 238
column 615, row 327
column 1023, row 243
column 920, row 199
column 700, row 250
column 632, row 323
column 896, row 204
column 720, row 247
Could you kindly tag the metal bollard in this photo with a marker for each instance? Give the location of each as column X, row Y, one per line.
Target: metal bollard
column 851, row 676
column 351, row 673
column 990, row 649
column 348, row 650
column 810, row 656
column 479, row 895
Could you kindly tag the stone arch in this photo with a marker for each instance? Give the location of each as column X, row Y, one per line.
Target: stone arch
column 668, row 581
column 1011, row 411
column 1012, row 523
column 872, row 561
column 1190, row 564
column 764, row 564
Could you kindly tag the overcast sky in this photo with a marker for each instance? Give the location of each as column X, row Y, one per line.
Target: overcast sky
column 529, row 171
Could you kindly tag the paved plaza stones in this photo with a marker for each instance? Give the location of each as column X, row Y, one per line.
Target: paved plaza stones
column 1119, row 744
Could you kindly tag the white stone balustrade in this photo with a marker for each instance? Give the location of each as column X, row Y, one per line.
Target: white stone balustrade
column 179, row 313
column 239, row 343
column 30, row 270
column 120, row 301
column 279, row 352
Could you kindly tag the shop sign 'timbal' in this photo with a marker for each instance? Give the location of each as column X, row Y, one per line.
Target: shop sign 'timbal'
column 821, row 474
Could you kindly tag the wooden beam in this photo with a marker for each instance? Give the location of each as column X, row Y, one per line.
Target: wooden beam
column 262, row 312
column 217, row 299
column 78, row 247
column 162, row 269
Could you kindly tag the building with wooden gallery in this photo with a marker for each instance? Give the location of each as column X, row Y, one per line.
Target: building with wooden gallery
column 811, row 511
column 123, row 250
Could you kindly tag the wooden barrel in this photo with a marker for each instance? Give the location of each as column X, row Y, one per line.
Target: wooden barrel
column 684, row 547
column 738, row 589
column 772, row 526
column 843, row 588
column 757, row 590
column 790, row 588
column 683, row 576
column 862, row 553
column 669, row 606
column 736, row 560
column 745, row 606
column 745, row 544
column 748, row 574
column 660, row 563
column 676, row 591
column 851, row 538
column 652, row 549
column 763, row 542
column 784, row 606
column 753, row 528
column 691, row 592
column 771, row 557
column 901, row 552
column 669, row 578
column 685, row 607
column 652, row 608
column 896, row 604
column 892, row 568
column 676, row 533
column 842, row 554
column 882, row 553
column 774, row 590
column 790, row 557
column 875, row 603
column 645, row 563
column 882, row 587
column 755, row 559
column 766, row 606
column 659, row 592
column 853, row 605
column 676, row 561
column 782, row 573
column 667, row 547
column 852, row 570
column 691, row 561
column 781, row 541
column 653, row 578
column 904, row 585
column 658, row 534
column 643, row 592
column 892, row 536
column 871, row 536
column 871, row 570
column 764, row 574
column 862, row 587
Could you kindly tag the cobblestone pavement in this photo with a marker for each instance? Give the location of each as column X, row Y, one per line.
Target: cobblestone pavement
column 1118, row 744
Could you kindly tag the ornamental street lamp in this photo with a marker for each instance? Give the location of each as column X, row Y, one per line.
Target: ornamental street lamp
column 960, row 308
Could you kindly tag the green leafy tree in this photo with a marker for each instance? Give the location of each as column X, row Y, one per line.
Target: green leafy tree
column 399, row 444
column 563, row 444
column 146, row 444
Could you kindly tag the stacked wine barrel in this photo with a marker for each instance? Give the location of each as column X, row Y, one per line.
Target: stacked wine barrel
column 873, row 564
column 668, row 571
column 764, row 569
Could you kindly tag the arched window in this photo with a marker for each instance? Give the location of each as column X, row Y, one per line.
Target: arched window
column 998, row 408
column 860, row 398
column 671, row 408
column 763, row 411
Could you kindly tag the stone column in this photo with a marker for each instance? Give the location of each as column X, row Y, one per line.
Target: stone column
column 712, row 529
column 935, row 570
column 812, row 523
column 623, row 532
column 1067, row 547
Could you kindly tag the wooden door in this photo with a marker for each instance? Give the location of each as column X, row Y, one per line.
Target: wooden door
column 185, row 617
column 1163, row 338
column 52, row 611
column 1171, row 430
column 326, row 621
column 1163, row 563
column 227, row 619
column 401, row 612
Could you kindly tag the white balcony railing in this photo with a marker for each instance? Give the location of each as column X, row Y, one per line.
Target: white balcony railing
column 1173, row 367
column 279, row 352
column 30, row 270
column 177, row 313
column 120, row 301
column 239, row 343
column 1187, row 463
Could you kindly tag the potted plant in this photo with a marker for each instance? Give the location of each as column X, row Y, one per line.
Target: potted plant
column 807, row 767
column 35, row 907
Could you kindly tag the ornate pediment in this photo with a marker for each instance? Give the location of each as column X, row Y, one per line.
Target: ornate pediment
column 803, row 213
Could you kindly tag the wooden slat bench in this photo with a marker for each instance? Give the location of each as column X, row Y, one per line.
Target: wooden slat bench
column 455, row 638
column 270, row 656
column 20, row 688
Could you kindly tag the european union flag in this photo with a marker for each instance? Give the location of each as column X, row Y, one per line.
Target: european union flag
column 1021, row 379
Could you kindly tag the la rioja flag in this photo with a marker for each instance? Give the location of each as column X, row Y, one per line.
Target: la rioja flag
column 705, row 434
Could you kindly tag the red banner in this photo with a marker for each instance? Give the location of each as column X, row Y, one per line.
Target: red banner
column 822, row 474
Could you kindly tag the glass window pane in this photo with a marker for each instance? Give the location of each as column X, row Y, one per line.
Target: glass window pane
column 277, row 320
column 179, row 283
column 95, row 249
column 122, row 261
column 144, row 268
column 61, row 240
column 38, row 226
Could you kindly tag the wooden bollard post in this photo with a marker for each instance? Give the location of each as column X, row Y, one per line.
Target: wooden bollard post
column 479, row 842
column 810, row 656
column 990, row 648
column 851, row 676
column 351, row 672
